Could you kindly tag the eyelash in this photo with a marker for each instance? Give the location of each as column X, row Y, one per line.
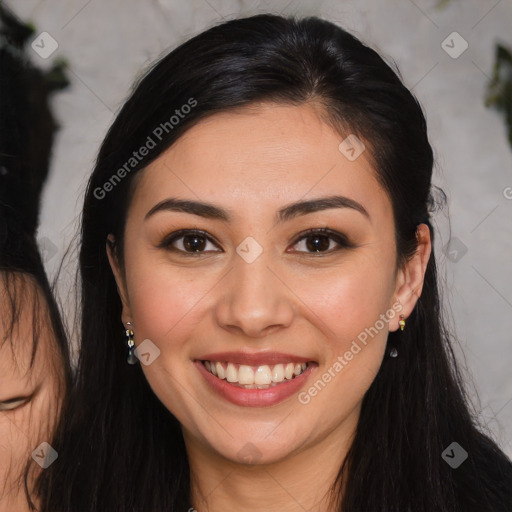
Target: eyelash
column 339, row 238
column 8, row 404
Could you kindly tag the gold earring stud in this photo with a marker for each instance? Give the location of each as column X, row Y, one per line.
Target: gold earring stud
column 401, row 322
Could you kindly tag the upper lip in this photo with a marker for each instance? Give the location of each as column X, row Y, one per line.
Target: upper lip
column 254, row 359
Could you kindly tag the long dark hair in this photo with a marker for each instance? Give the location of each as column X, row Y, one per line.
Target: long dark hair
column 27, row 129
column 119, row 448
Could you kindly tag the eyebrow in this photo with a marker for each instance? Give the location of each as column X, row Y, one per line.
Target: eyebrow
column 288, row 212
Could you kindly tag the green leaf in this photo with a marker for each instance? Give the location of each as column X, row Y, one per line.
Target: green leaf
column 499, row 88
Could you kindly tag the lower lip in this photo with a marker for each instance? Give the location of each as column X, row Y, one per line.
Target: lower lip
column 255, row 397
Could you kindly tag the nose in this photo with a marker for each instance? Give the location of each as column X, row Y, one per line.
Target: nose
column 256, row 301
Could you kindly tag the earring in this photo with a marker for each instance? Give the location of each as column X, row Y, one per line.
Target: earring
column 394, row 352
column 132, row 359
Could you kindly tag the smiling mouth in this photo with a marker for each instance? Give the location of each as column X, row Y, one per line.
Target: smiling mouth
column 255, row 377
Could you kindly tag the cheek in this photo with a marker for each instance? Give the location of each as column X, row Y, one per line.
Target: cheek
column 349, row 298
column 354, row 302
column 15, row 444
column 23, row 429
column 165, row 300
column 353, row 349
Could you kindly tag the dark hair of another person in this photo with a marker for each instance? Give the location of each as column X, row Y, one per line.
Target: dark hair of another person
column 119, row 448
column 27, row 126
column 26, row 133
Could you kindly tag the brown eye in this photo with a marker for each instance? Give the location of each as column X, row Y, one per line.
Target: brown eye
column 319, row 241
column 191, row 242
column 194, row 243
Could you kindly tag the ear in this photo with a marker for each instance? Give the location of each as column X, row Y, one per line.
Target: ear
column 411, row 276
column 119, row 278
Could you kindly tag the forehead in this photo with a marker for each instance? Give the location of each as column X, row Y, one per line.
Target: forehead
column 262, row 153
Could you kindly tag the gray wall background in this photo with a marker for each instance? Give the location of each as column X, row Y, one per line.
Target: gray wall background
column 108, row 43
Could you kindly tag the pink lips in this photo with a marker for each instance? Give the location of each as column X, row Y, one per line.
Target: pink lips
column 255, row 397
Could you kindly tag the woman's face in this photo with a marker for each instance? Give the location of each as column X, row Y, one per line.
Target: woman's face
column 252, row 292
column 29, row 395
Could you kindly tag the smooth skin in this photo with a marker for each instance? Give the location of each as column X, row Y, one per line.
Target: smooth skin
column 291, row 299
column 30, row 396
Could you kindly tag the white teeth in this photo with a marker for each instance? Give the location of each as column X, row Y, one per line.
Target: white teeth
column 220, row 371
column 231, row 373
column 261, row 377
column 278, row 373
column 245, row 375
